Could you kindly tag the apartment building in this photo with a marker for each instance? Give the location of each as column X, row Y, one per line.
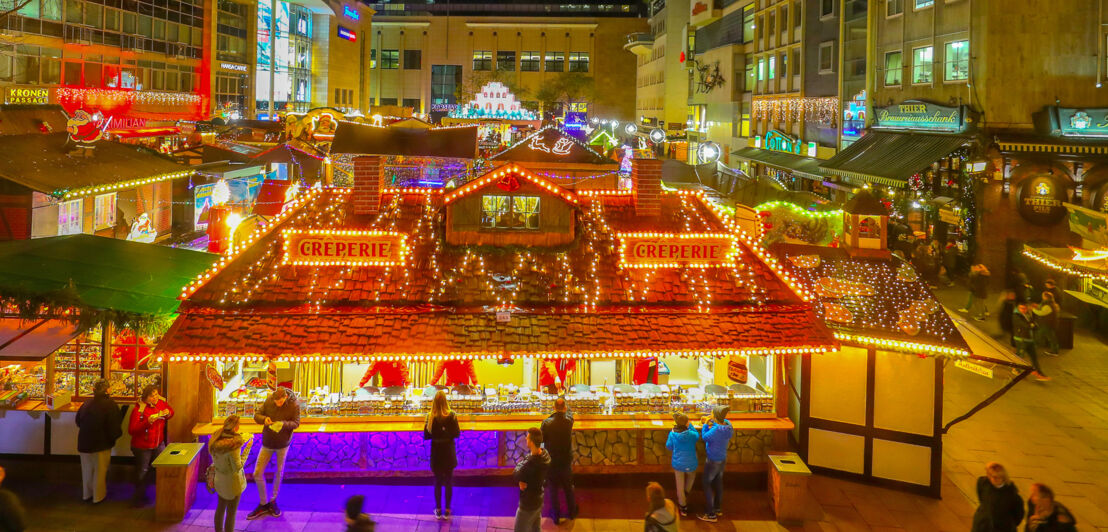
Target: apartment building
column 662, row 79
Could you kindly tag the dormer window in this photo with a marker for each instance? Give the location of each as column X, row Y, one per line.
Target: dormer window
column 509, row 212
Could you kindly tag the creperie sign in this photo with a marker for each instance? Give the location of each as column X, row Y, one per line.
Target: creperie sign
column 344, row 248
column 689, row 250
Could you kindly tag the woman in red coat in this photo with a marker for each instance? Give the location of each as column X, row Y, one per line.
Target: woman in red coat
column 147, row 428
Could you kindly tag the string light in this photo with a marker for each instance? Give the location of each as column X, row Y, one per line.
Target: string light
column 67, row 194
column 1055, row 264
column 823, row 110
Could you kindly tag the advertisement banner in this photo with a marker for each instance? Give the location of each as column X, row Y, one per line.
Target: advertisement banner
column 1090, row 225
column 915, row 114
column 244, row 192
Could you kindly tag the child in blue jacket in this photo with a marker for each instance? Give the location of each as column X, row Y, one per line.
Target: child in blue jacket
column 682, row 443
column 716, row 433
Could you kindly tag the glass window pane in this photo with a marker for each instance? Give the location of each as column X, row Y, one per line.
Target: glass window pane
column 957, row 60
column 92, row 14
column 30, row 10
column 73, row 12
column 893, row 68
column 52, row 9
column 922, row 65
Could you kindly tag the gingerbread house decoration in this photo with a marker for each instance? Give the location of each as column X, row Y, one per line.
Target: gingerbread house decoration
column 865, row 225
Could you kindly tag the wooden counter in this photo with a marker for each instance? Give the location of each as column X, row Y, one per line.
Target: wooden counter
column 36, row 405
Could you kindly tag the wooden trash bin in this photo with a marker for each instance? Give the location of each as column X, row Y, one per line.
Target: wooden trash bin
column 178, row 471
column 788, row 487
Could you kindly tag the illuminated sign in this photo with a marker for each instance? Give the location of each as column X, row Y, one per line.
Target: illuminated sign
column 322, row 247
column 23, row 96
column 494, row 100
column 1041, row 201
column 915, row 114
column 655, row 250
column 351, row 13
column 345, row 33
column 124, row 122
column 233, row 67
column 1070, row 122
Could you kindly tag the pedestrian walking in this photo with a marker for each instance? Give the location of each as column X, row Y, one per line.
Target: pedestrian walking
column 1000, row 507
column 229, row 451
column 979, row 293
column 1050, row 286
column 356, row 519
column 1046, row 321
column 681, row 443
column 530, row 473
column 99, row 425
column 147, row 429
column 12, row 516
column 716, row 432
column 1023, row 288
column 441, row 427
column 661, row 515
column 1023, row 337
column 280, row 416
column 1044, row 514
column 557, row 437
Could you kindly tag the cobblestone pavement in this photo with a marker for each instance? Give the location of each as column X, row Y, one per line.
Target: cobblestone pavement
column 1054, row 432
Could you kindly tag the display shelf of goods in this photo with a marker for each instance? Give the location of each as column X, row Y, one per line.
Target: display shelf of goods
column 131, row 383
column 65, row 380
column 85, row 383
column 654, row 403
column 13, row 398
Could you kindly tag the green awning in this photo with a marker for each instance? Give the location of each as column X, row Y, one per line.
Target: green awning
column 803, row 166
column 105, row 273
column 888, row 158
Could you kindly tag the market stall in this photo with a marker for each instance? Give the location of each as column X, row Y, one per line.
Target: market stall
column 520, row 290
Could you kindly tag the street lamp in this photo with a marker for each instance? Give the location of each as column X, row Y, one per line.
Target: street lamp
column 657, row 135
column 708, row 152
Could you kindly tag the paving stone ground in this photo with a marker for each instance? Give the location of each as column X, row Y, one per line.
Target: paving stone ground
column 1054, row 432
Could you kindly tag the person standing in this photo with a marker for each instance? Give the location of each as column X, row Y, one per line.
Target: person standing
column 1050, row 286
column 12, row 516
column 1044, row 514
column 1023, row 337
column 716, row 432
column 456, row 371
column 554, row 374
column 979, row 293
column 530, row 473
column 682, row 444
column 441, row 427
column 393, row 373
column 147, row 428
column 229, row 451
column 280, row 416
column 1046, row 321
column 99, row 425
column 1000, row 507
column 557, row 435
column 661, row 515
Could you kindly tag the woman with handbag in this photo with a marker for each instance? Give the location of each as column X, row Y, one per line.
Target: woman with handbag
column 229, row 451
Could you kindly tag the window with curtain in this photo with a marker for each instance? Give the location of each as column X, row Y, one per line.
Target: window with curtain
column 893, row 68
column 922, row 64
column 894, row 7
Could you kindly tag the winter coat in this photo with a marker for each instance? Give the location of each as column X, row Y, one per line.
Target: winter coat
column 532, row 470
column 979, row 285
column 146, row 434
column 1021, row 325
column 557, row 437
column 682, row 443
column 228, row 456
column 442, row 433
column 717, row 436
column 663, row 519
column 289, row 414
column 1044, row 316
column 99, row 424
column 1000, row 509
column 1060, row 520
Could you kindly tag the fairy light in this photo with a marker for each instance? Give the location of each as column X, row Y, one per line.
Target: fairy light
column 505, row 171
column 1056, row 265
column 67, row 194
column 401, row 241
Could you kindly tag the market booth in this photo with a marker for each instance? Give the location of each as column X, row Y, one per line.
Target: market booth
column 633, row 310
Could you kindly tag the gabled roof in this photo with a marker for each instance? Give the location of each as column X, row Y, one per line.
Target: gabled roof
column 551, row 145
column 364, row 139
column 503, row 176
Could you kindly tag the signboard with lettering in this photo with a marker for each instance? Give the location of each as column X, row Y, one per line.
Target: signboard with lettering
column 350, row 12
column 234, row 67
column 974, row 368
column 324, row 247
column 702, row 12
column 1090, row 225
column 345, row 33
column 916, row 114
column 1074, row 122
column 26, row 96
column 1041, row 200
column 653, row 250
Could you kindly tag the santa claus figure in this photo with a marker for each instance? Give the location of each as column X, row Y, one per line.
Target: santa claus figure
column 393, row 373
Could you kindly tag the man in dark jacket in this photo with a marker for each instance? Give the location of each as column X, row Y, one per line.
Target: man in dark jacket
column 1001, row 508
column 280, row 415
column 557, row 437
column 530, row 472
column 1023, row 338
column 12, row 516
column 99, row 425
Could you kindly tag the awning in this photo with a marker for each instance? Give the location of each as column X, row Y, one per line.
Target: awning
column 803, row 166
column 34, row 339
column 888, row 158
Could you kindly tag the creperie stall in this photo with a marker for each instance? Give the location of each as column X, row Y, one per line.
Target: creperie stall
column 508, row 290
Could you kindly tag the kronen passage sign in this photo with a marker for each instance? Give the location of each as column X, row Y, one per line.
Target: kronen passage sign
column 663, row 250
column 326, row 247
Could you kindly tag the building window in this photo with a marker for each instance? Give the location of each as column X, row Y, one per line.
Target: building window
column 555, row 61
column 444, row 81
column 826, row 57
column 390, row 59
column 795, row 60
column 894, row 7
column 750, row 79
column 922, row 65
column 772, row 67
column 104, row 213
column 413, row 59
column 761, row 68
column 69, row 217
column 826, row 8
column 784, row 59
column 506, row 61
column 482, row 60
column 772, row 21
column 373, row 58
column 411, row 102
column 758, row 28
column 529, row 61
column 388, row 101
column 798, row 15
column 510, row 212
column 920, row 4
column 578, row 61
column 748, row 23
column 893, row 68
column 957, row 61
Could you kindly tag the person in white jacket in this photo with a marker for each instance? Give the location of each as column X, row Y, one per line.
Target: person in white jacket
column 229, row 451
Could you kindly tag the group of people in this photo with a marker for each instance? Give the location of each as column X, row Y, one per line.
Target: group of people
column 1002, row 509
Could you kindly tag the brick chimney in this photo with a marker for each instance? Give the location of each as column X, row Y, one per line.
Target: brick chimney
column 646, row 174
column 368, row 182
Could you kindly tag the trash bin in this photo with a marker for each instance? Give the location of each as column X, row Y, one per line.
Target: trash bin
column 788, row 487
column 1064, row 330
column 178, row 470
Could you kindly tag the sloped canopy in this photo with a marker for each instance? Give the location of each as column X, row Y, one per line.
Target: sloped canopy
column 888, row 158
column 551, row 145
column 362, row 139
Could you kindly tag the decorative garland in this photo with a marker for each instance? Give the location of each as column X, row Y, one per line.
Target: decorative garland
column 66, row 304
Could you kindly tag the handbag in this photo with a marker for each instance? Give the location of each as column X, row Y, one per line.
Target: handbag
column 209, row 478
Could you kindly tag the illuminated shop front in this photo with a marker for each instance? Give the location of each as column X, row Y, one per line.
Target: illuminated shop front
column 284, row 58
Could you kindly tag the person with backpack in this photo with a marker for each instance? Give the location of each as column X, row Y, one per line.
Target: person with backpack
column 147, row 429
column 99, row 425
column 441, row 427
column 661, row 515
column 226, row 478
column 716, row 433
column 682, row 443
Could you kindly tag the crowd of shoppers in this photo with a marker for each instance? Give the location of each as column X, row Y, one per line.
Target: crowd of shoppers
column 1001, row 508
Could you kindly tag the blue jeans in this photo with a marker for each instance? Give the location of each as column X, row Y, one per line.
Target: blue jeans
column 528, row 520
column 713, row 486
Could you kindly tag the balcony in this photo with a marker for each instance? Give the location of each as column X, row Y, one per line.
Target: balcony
column 640, row 43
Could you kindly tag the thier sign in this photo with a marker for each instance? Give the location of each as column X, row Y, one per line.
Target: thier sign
column 671, row 251
column 1041, row 199
column 1071, row 122
column 915, row 114
column 324, row 247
